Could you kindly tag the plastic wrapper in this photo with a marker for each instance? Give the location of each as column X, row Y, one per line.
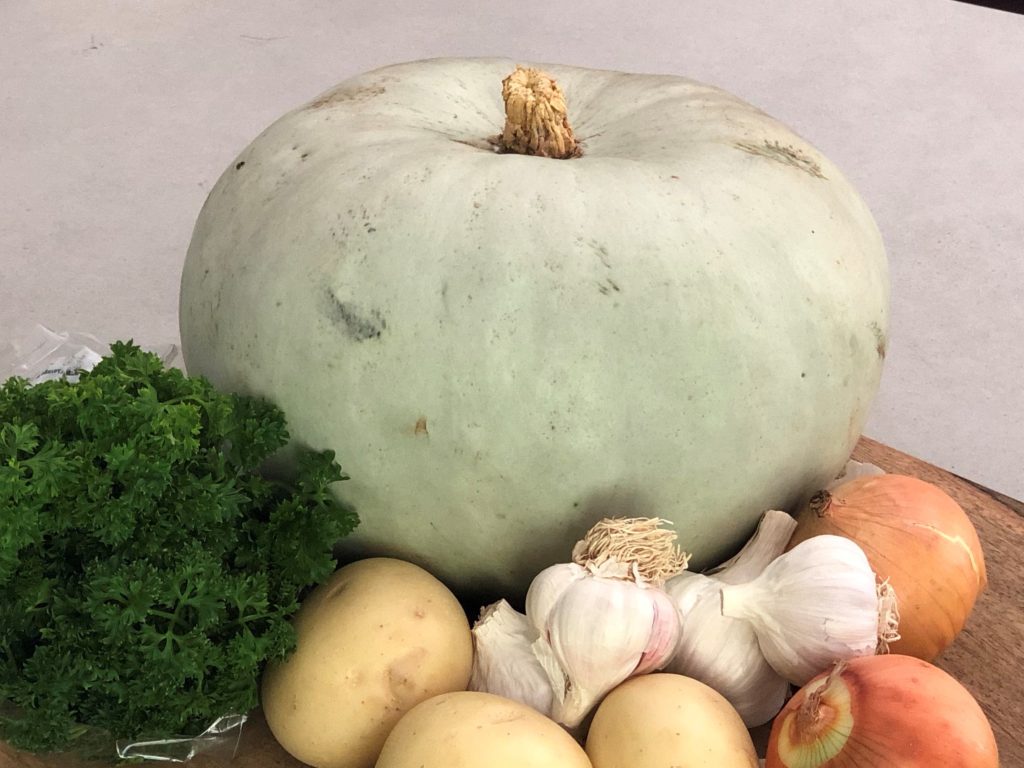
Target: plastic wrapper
column 854, row 470
column 47, row 354
column 221, row 738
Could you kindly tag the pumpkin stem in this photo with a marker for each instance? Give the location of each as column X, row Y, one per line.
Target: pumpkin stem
column 536, row 120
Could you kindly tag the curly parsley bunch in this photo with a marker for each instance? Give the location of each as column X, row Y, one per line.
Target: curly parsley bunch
column 148, row 568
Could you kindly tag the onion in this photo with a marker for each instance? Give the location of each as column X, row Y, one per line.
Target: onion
column 916, row 538
column 882, row 712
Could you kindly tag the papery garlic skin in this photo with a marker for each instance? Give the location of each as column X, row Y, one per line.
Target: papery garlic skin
column 600, row 632
column 774, row 530
column 812, row 606
column 547, row 589
column 503, row 660
column 723, row 652
column 661, row 644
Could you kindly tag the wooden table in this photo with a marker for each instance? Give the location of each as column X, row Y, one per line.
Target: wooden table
column 986, row 657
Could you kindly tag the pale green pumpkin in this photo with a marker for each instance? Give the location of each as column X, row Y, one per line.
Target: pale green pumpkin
column 686, row 320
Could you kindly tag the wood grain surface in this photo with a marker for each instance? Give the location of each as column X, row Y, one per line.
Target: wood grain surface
column 986, row 657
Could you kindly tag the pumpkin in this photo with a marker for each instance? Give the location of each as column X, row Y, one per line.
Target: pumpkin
column 518, row 300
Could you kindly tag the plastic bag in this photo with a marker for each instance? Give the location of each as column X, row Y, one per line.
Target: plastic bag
column 222, row 737
column 48, row 354
column 854, row 470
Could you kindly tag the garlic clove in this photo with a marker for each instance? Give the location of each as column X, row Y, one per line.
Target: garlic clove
column 722, row 652
column 547, row 588
column 814, row 605
column 686, row 590
column 661, row 644
column 503, row 661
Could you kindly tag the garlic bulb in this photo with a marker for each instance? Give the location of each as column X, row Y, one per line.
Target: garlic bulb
column 814, row 605
column 604, row 617
column 723, row 652
column 503, row 660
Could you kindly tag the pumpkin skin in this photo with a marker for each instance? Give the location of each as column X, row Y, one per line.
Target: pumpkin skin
column 687, row 321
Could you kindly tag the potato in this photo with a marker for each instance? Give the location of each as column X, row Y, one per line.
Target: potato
column 659, row 720
column 479, row 730
column 377, row 638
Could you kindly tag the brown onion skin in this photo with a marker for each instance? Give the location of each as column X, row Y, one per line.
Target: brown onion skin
column 894, row 519
column 907, row 713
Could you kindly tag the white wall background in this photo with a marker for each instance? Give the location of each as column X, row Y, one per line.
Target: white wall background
column 116, row 118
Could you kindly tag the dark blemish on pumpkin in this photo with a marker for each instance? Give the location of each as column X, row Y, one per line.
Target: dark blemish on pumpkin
column 881, row 342
column 608, row 286
column 239, row 164
column 420, row 430
column 601, row 251
column 785, row 154
column 304, row 155
column 803, row 375
column 348, row 94
column 358, row 323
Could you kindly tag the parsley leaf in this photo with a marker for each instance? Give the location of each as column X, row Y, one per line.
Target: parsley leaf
column 149, row 565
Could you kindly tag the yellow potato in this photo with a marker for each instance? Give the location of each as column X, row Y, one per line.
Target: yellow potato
column 660, row 720
column 479, row 730
column 380, row 636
